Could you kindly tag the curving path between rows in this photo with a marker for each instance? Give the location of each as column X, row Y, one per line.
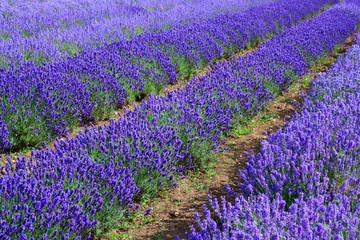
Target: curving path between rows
column 96, row 155
column 173, row 211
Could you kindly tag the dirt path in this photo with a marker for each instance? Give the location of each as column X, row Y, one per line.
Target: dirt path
column 172, row 211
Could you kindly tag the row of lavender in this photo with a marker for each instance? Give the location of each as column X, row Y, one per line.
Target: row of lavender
column 87, row 183
column 40, row 103
column 304, row 183
column 48, row 30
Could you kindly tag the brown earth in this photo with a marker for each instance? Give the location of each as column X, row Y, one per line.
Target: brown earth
column 172, row 211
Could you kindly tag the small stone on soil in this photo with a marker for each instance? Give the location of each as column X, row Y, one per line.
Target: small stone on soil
column 174, row 213
column 176, row 199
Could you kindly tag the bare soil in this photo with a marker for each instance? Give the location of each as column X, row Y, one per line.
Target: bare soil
column 172, row 212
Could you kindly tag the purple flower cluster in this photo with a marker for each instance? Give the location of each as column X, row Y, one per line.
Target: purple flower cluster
column 39, row 103
column 48, row 31
column 304, row 183
column 306, row 155
column 63, row 197
column 192, row 46
column 93, row 178
column 259, row 217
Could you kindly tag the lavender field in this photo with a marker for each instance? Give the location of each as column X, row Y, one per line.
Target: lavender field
column 66, row 64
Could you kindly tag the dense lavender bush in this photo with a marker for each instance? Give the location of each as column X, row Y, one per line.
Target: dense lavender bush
column 304, row 183
column 41, row 103
column 258, row 217
column 153, row 151
column 125, row 70
column 277, row 63
column 63, row 197
column 37, row 106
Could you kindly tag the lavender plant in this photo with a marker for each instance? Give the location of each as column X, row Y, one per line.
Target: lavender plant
column 61, row 199
column 259, row 217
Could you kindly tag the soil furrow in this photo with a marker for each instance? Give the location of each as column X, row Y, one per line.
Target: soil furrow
column 173, row 210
